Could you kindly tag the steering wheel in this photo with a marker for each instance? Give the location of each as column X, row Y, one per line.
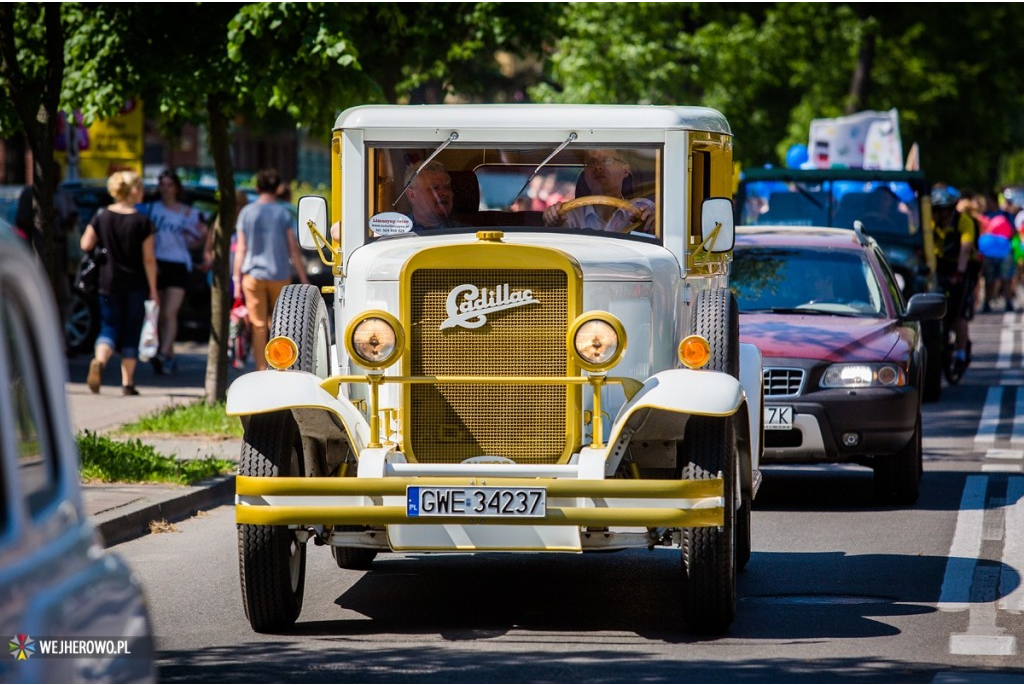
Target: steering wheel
column 616, row 202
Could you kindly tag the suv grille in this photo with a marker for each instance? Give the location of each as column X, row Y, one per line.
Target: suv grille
column 783, row 382
column 450, row 423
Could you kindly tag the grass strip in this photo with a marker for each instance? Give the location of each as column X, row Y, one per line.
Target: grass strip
column 131, row 461
column 198, row 418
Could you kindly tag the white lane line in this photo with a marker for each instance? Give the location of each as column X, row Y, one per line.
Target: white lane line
column 1004, row 454
column 1018, row 420
column 966, row 546
column 989, row 423
column 1006, row 339
column 1001, row 468
column 1013, row 548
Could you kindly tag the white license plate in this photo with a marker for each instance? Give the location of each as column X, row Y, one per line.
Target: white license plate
column 778, row 418
column 475, row 501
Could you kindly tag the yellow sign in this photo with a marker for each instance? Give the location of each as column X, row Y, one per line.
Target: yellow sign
column 107, row 146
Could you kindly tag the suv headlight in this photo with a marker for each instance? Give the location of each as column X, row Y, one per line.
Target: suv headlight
column 375, row 339
column 597, row 340
column 863, row 376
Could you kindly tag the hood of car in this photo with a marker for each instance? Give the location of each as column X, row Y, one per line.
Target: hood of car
column 827, row 338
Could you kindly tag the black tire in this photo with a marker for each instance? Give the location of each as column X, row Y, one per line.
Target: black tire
column 897, row 477
column 301, row 315
column 271, row 562
column 932, row 331
column 743, row 533
column 709, row 554
column 716, row 317
column 82, row 323
column 354, row 558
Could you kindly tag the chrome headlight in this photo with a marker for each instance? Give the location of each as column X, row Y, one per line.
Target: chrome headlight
column 863, row 376
column 375, row 339
column 597, row 339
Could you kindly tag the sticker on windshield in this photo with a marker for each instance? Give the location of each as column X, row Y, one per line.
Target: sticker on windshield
column 390, row 223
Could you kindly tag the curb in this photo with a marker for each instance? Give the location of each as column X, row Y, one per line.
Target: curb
column 134, row 524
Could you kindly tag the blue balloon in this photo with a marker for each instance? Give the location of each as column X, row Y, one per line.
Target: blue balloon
column 796, row 156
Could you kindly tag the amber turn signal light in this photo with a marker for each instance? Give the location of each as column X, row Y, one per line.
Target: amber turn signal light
column 281, row 352
column 694, row 352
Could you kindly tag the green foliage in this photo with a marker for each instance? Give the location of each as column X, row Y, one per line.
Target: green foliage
column 198, row 418
column 114, row 461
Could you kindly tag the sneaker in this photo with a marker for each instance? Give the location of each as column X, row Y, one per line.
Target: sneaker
column 129, row 390
column 170, row 365
column 158, row 364
column 95, row 375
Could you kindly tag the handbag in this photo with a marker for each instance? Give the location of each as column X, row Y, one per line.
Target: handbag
column 87, row 276
column 149, row 341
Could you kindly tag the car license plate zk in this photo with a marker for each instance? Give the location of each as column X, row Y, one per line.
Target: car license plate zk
column 778, row 418
column 471, row 501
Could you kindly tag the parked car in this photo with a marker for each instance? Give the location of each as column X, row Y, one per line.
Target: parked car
column 56, row 581
column 893, row 207
column 481, row 396
column 843, row 352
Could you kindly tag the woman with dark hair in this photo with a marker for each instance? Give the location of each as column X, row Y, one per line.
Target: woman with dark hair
column 179, row 228
column 127, row 277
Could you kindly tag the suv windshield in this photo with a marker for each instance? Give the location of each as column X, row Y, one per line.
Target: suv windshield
column 473, row 187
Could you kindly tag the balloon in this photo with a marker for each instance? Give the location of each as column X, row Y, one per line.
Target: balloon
column 796, row 156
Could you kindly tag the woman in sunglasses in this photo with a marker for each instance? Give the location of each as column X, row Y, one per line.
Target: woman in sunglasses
column 601, row 202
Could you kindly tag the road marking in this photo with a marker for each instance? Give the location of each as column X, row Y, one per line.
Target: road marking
column 989, row 423
column 1018, row 425
column 1013, row 547
column 1001, row 468
column 1006, row 340
column 1004, row 454
column 966, row 546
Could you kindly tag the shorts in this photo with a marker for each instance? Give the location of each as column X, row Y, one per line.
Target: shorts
column 121, row 317
column 995, row 268
column 171, row 275
column 260, row 297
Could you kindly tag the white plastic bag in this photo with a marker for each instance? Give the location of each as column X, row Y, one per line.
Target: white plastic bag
column 149, row 342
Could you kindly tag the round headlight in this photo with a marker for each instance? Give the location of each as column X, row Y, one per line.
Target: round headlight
column 598, row 341
column 375, row 339
column 694, row 351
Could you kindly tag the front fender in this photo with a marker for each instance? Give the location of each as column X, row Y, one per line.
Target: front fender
column 262, row 392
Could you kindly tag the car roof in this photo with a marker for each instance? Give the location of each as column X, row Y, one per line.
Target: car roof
column 534, row 116
column 803, row 236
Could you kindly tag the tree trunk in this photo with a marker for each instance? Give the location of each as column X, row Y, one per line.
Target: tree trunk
column 220, row 301
column 860, row 84
column 35, row 100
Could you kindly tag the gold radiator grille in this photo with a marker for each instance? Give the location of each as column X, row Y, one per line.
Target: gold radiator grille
column 450, row 423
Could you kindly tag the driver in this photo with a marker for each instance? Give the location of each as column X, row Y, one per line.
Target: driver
column 605, row 174
column 431, row 198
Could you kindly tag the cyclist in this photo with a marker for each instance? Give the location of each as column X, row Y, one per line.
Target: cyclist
column 956, row 266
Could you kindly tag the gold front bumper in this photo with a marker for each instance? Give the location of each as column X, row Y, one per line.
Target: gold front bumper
column 632, row 503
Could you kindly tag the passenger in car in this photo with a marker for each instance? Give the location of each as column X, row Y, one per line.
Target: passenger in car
column 431, row 199
column 607, row 174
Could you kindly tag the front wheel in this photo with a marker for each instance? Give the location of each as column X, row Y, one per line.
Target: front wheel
column 897, row 477
column 709, row 553
column 271, row 560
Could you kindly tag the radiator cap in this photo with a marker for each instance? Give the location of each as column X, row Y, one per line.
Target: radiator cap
column 490, row 236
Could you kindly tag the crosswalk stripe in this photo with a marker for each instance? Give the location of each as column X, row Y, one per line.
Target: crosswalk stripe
column 966, row 546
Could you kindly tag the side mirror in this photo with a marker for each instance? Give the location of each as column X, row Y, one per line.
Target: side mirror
column 717, row 227
column 926, row 307
column 313, row 208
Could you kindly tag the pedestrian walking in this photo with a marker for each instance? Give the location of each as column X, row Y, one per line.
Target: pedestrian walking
column 264, row 254
column 179, row 229
column 127, row 276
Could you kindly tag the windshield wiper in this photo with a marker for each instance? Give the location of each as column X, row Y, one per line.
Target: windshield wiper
column 572, row 137
column 451, row 139
column 811, row 310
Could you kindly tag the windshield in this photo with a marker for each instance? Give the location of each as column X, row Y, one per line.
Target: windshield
column 884, row 208
column 804, row 280
column 481, row 187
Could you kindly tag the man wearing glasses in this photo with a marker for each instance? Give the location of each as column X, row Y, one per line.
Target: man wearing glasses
column 607, row 175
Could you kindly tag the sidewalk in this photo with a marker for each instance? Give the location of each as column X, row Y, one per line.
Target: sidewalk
column 123, row 512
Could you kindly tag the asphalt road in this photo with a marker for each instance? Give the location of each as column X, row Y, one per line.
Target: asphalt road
column 838, row 589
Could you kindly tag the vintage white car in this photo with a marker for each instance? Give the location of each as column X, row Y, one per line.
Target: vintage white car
column 498, row 383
